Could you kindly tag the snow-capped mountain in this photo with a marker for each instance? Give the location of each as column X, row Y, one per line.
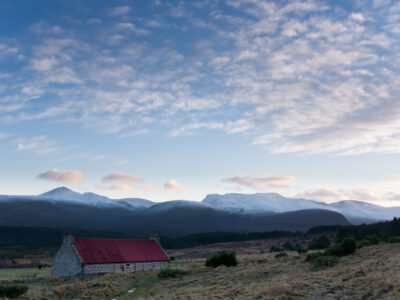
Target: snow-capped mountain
column 357, row 209
column 260, row 203
column 63, row 194
column 167, row 205
column 134, row 203
column 354, row 211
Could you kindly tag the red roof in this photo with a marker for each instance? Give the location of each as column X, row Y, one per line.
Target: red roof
column 102, row 251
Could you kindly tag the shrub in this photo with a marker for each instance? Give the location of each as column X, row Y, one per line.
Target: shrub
column 325, row 261
column 275, row 249
column 362, row 243
column 313, row 256
column 12, row 291
column 301, row 250
column 281, row 254
column 372, row 239
column 168, row 273
column 319, row 243
column 394, row 239
column 226, row 258
column 288, row 246
column 346, row 247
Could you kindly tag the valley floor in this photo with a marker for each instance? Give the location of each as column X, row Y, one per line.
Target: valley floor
column 373, row 272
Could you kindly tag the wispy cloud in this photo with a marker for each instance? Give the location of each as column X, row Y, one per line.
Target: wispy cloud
column 39, row 145
column 119, row 11
column 173, row 185
column 64, row 177
column 147, row 187
column 298, row 76
column 329, row 195
column 261, row 183
column 120, row 177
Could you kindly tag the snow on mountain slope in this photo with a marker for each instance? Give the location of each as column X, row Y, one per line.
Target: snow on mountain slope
column 260, row 203
column 357, row 209
column 164, row 206
column 134, row 203
column 354, row 211
column 63, row 194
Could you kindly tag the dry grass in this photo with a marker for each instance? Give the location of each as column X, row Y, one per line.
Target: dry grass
column 88, row 287
column 371, row 273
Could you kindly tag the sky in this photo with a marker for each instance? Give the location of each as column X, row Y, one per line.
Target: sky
column 169, row 100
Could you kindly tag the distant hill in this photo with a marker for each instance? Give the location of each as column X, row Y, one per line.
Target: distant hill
column 63, row 207
column 174, row 221
column 356, row 212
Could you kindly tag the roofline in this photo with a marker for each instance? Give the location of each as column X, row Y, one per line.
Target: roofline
column 77, row 253
column 126, row 262
column 95, row 238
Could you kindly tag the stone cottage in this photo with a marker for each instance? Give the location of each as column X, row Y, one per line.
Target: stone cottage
column 96, row 255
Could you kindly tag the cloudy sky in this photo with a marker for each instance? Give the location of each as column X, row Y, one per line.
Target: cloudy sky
column 178, row 99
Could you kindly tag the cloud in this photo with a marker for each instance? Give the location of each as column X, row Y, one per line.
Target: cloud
column 39, row 145
column 329, row 196
column 121, row 188
column 324, row 195
column 261, row 183
column 120, row 177
column 119, row 11
column 147, row 187
column 173, row 185
column 293, row 76
column 357, row 17
column 64, row 177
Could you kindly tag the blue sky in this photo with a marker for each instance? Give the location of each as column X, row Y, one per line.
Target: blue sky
column 178, row 99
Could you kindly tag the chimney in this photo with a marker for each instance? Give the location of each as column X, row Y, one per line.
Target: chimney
column 155, row 237
column 69, row 237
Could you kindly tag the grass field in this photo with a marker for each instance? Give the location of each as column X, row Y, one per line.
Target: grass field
column 371, row 273
column 20, row 274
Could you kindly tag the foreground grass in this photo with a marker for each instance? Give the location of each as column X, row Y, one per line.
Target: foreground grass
column 371, row 273
column 21, row 274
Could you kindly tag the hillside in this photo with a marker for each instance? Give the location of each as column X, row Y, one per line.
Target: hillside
column 174, row 221
column 371, row 273
column 356, row 212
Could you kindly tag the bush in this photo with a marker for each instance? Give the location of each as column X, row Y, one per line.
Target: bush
column 394, row 239
column 288, row 246
column 362, row 243
column 325, row 261
column 168, row 273
column 372, row 239
column 301, row 250
column 346, row 247
column 226, row 258
column 275, row 249
column 319, row 243
column 12, row 291
column 313, row 256
column 281, row 254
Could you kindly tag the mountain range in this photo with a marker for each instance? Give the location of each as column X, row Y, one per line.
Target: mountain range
column 63, row 207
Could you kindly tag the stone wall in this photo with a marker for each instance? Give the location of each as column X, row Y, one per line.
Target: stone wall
column 67, row 261
column 125, row 267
